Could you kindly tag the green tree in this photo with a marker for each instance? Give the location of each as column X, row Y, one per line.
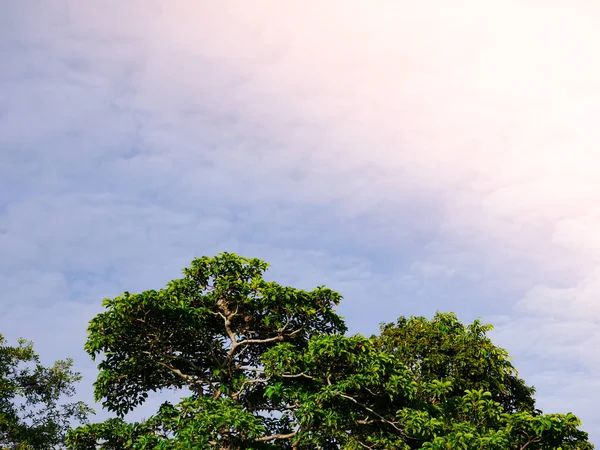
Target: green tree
column 32, row 414
column 269, row 367
column 444, row 348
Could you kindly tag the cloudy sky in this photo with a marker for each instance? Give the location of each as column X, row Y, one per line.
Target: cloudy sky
column 414, row 156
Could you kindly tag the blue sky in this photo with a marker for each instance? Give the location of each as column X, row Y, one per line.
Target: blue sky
column 411, row 156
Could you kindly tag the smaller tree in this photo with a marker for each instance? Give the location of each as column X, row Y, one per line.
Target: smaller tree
column 32, row 415
column 444, row 348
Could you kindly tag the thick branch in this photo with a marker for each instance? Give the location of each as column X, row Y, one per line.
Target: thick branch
column 277, row 436
column 236, row 395
column 235, row 344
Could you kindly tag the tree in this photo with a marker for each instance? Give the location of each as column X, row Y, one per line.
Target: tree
column 31, row 413
column 444, row 347
column 270, row 367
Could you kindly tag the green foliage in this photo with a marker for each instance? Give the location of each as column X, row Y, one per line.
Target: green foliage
column 31, row 413
column 269, row 367
column 445, row 348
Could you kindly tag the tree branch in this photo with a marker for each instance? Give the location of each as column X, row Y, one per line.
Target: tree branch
column 379, row 416
column 277, row 436
column 190, row 378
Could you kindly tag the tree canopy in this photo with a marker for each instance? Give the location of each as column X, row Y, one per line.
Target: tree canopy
column 271, row 367
column 32, row 412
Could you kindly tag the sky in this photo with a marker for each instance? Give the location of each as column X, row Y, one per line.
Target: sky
column 413, row 156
